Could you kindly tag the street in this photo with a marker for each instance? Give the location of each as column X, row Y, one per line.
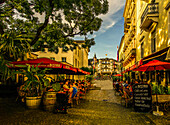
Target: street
column 98, row 107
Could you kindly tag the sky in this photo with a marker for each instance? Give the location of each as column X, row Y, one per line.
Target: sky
column 109, row 35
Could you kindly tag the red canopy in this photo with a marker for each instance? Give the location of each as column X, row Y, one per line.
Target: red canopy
column 82, row 72
column 153, row 65
column 118, row 75
column 69, row 68
column 44, row 63
column 57, row 67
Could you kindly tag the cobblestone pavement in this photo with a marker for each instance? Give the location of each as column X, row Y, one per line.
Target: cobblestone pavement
column 99, row 107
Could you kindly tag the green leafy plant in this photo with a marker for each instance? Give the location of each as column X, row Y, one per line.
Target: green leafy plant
column 36, row 80
column 61, row 21
column 168, row 88
column 126, row 77
column 89, row 77
column 91, row 70
column 159, row 89
column 56, row 86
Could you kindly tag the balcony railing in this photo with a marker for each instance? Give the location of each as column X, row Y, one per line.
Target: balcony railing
column 127, row 24
column 150, row 13
column 130, row 56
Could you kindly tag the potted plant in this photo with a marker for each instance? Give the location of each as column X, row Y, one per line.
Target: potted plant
column 34, row 85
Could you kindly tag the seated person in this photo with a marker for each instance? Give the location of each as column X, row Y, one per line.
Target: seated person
column 81, row 89
column 72, row 92
column 117, row 86
column 65, row 86
column 61, row 84
column 126, row 91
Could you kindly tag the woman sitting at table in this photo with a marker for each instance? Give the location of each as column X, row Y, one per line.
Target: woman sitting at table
column 82, row 90
column 72, row 92
column 65, row 87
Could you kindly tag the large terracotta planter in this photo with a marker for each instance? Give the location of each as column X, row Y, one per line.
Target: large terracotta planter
column 33, row 102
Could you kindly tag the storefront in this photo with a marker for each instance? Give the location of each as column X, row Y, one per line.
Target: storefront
column 160, row 76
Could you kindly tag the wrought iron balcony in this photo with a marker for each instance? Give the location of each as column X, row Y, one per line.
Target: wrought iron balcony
column 150, row 15
column 131, row 55
column 127, row 24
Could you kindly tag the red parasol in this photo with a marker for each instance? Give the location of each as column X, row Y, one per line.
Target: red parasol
column 82, row 72
column 67, row 67
column 57, row 67
column 118, row 75
column 43, row 63
column 153, row 65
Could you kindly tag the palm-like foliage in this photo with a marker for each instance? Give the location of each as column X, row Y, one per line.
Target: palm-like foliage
column 35, row 81
column 21, row 30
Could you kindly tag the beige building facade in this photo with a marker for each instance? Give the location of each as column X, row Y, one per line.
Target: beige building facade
column 107, row 66
column 77, row 58
column 146, row 37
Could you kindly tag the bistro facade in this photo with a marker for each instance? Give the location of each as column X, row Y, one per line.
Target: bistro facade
column 146, row 38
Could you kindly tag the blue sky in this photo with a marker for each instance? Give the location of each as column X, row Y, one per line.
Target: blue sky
column 109, row 36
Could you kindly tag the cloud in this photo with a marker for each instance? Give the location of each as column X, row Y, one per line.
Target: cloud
column 109, row 19
column 113, row 23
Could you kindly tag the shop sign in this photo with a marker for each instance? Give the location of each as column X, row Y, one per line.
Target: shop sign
column 142, row 97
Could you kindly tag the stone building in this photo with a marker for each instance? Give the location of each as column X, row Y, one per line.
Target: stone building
column 107, row 66
column 77, row 58
column 146, row 37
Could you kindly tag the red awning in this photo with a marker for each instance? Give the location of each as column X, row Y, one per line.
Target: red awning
column 134, row 66
column 69, row 68
column 82, row 72
column 154, row 65
column 118, row 75
column 56, row 67
column 43, row 63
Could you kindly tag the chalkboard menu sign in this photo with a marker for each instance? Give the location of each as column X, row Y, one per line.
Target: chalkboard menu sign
column 142, row 97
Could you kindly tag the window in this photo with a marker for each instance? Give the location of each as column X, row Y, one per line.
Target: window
column 153, row 41
column 52, row 58
column 63, row 59
column 168, row 78
column 169, row 28
column 75, row 62
column 142, row 50
column 78, row 52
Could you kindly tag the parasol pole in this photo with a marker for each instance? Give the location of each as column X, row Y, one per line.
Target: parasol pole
column 157, row 112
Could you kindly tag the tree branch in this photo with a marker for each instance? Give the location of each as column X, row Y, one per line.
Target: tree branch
column 1, row 29
column 72, row 34
column 43, row 26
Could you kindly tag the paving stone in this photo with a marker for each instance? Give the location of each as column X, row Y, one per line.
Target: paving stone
column 98, row 107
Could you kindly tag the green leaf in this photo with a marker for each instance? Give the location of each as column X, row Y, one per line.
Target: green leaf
column 56, row 87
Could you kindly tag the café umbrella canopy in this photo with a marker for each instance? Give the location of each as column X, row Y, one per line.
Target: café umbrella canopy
column 43, row 63
column 153, row 66
column 118, row 75
column 55, row 67
column 82, row 72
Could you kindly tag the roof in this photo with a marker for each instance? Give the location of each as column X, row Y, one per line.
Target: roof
column 107, row 59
